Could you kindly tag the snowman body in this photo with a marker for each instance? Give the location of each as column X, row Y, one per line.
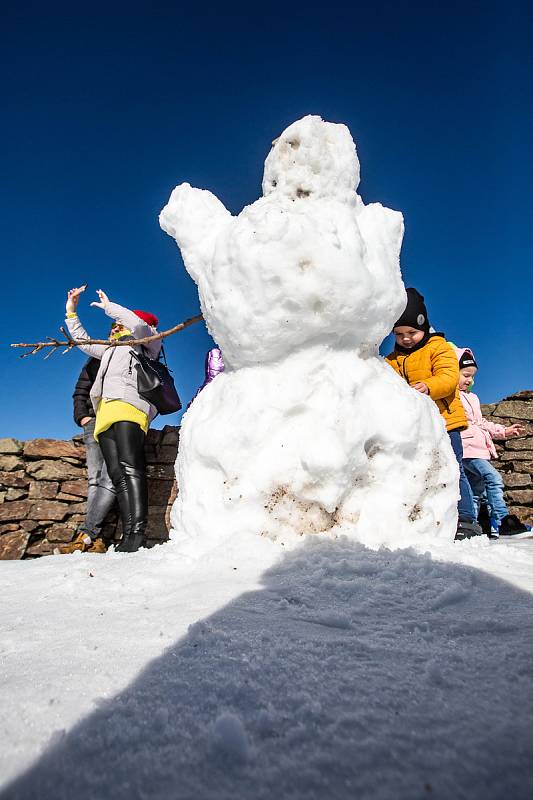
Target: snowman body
column 307, row 430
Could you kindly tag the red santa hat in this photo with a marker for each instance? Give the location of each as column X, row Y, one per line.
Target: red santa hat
column 150, row 319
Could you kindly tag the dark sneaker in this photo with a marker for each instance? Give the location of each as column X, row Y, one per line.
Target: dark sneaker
column 511, row 526
column 466, row 529
column 484, row 519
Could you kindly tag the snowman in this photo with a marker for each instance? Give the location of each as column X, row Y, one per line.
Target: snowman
column 308, row 430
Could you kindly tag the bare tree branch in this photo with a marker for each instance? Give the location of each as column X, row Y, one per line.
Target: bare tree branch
column 70, row 343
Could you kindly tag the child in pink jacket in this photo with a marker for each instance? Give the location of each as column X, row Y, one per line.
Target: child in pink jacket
column 478, row 449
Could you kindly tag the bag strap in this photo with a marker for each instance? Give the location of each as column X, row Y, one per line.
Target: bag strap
column 106, row 368
column 161, row 353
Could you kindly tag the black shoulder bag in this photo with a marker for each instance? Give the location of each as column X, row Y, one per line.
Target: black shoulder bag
column 155, row 384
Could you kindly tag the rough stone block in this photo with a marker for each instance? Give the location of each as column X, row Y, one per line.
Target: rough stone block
column 11, row 446
column 157, row 527
column 166, row 454
column 74, row 461
column 40, row 548
column 8, row 527
column 525, row 443
column 526, row 394
column 150, row 453
column 11, row 463
column 17, row 509
column 153, row 436
column 79, row 488
column 54, row 470
column 514, row 455
column 511, row 479
column 16, row 494
column 159, row 492
column 52, row 448
column 13, row 545
column 77, row 508
column 161, row 472
column 521, row 496
column 44, row 490
column 28, row 525
column 2, row 496
column 519, row 409
column 488, row 408
column 523, row 466
column 48, row 510
column 16, row 479
column 171, row 436
column 60, row 533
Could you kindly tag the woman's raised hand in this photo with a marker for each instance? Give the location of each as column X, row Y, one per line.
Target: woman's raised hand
column 73, row 295
column 104, row 300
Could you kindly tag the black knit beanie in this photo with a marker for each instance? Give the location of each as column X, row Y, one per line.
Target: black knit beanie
column 467, row 359
column 415, row 314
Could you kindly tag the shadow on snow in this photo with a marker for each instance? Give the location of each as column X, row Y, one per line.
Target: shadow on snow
column 353, row 673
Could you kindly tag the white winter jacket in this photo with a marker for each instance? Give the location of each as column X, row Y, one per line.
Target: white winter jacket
column 117, row 377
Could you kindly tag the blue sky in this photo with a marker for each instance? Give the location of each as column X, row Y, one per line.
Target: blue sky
column 106, row 109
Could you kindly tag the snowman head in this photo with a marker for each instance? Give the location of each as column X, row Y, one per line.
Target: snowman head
column 307, row 264
column 315, row 159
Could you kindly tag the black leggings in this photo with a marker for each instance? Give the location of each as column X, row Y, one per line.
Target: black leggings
column 122, row 446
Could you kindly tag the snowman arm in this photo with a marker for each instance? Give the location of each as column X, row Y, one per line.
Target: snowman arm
column 194, row 218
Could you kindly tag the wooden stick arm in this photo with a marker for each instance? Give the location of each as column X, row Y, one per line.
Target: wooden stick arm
column 70, row 343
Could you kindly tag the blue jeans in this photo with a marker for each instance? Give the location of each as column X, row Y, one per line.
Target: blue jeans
column 486, row 481
column 465, row 506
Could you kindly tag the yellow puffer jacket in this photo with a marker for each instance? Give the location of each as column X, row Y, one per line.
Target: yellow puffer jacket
column 437, row 366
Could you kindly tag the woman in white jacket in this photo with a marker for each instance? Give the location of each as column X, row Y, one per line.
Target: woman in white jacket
column 122, row 415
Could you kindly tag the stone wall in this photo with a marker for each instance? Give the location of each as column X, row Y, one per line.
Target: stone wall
column 43, row 491
column 43, row 484
column 515, row 456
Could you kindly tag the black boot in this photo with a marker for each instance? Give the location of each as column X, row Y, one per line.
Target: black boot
column 134, row 536
column 123, row 503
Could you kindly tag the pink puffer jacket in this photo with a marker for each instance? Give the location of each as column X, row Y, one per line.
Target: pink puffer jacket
column 477, row 438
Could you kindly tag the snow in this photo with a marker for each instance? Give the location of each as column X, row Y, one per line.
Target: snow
column 311, row 630
column 325, row 669
column 307, row 429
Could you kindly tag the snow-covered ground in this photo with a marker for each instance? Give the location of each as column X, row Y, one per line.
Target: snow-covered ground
column 258, row 670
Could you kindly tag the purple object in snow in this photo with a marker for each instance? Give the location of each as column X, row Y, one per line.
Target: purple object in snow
column 214, row 364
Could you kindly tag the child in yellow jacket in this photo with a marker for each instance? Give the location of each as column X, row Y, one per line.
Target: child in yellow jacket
column 428, row 363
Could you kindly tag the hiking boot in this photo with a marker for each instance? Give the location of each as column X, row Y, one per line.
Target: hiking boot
column 511, row 526
column 81, row 543
column 98, row 545
column 466, row 529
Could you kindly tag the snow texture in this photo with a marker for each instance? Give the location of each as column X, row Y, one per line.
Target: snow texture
column 327, row 671
column 307, row 430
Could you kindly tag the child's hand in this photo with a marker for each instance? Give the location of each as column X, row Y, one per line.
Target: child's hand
column 515, row 430
column 420, row 387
